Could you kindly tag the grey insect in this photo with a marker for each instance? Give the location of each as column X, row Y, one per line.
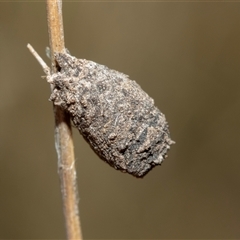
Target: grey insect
column 114, row 115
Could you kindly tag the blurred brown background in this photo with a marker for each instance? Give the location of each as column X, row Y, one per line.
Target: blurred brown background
column 187, row 57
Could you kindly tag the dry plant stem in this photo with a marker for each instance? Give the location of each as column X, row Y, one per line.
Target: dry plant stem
column 39, row 59
column 66, row 166
column 63, row 132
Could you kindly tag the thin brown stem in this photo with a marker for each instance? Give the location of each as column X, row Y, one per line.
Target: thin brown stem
column 63, row 132
column 39, row 59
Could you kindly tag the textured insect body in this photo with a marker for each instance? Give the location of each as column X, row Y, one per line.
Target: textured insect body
column 115, row 116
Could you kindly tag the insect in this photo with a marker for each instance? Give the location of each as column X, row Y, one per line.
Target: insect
column 114, row 115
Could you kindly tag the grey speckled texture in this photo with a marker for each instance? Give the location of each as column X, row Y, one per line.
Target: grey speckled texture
column 115, row 116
